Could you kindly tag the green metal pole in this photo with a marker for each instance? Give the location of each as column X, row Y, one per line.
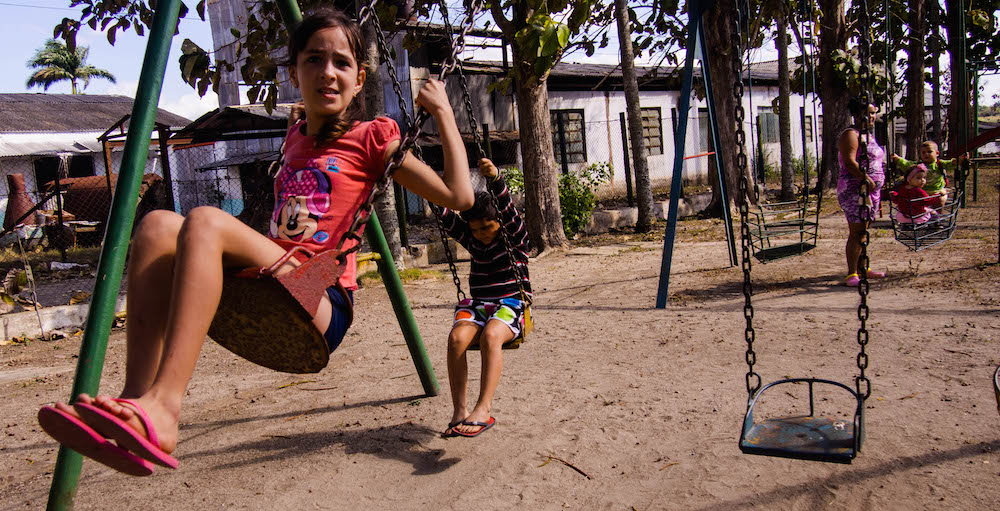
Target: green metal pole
column 975, row 133
column 387, row 268
column 116, row 239
column 290, row 13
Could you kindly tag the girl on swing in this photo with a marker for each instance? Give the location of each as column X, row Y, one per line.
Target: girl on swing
column 175, row 272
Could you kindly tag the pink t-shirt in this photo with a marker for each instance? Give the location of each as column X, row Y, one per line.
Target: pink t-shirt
column 318, row 190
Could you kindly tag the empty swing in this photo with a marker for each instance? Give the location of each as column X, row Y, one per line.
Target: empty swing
column 805, row 436
column 266, row 318
column 789, row 228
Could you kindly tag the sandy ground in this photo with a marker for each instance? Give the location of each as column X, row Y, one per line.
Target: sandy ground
column 611, row 404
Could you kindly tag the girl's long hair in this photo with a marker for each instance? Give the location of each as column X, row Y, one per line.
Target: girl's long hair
column 333, row 127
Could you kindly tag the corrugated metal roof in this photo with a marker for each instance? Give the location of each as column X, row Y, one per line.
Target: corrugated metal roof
column 69, row 144
column 67, row 113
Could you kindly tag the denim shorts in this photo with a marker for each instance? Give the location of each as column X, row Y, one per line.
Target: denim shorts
column 340, row 317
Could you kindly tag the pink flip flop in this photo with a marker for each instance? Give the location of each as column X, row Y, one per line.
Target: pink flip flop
column 126, row 437
column 75, row 434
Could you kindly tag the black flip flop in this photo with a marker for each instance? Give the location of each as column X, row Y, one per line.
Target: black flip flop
column 450, row 432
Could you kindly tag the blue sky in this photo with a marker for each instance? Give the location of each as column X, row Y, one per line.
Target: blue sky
column 26, row 24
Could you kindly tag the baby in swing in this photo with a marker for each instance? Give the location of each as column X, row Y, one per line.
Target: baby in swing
column 494, row 315
column 175, row 273
column 914, row 204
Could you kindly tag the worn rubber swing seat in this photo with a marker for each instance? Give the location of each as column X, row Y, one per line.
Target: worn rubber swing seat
column 267, row 319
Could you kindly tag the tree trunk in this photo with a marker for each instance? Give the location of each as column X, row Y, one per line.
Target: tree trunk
column 784, row 107
column 385, row 203
column 958, row 125
column 543, row 216
column 833, row 93
column 719, row 50
column 915, row 80
column 643, row 189
column 933, row 13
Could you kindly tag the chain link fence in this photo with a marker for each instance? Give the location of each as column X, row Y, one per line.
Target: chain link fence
column 56, row 207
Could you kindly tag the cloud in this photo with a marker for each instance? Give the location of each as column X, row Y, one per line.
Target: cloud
column 122, row 88
column 190, row 105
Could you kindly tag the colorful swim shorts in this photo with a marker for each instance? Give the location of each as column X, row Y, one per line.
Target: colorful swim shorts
column 509, row 311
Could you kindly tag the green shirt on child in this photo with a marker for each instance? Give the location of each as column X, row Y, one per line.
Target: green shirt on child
column 936, row 180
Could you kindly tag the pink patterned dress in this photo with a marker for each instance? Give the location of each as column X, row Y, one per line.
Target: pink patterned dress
column 849, row 187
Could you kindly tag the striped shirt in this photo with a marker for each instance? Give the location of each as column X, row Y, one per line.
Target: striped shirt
column 491, row 276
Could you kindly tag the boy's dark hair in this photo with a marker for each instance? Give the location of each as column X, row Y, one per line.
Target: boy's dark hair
column 482, row 209
column 318, row 20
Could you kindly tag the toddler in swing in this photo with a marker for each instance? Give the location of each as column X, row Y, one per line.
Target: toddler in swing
column 913, row 203
column 175, row 272
column 937, row 178
column 494, row 315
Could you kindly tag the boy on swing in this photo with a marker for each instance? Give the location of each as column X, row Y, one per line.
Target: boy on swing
column 494, row 315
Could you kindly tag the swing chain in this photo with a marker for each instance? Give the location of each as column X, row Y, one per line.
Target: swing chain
column 478, row 140
column 466, row 96
column 436, row 211
column 864, row 77
column 753, row 380
column 364, row 211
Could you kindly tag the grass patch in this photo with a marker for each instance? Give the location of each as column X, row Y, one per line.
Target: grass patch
column 407, row 276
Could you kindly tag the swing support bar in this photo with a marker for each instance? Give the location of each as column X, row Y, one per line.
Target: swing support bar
column 695, row 43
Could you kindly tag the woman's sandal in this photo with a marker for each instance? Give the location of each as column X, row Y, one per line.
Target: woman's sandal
column 852, row 280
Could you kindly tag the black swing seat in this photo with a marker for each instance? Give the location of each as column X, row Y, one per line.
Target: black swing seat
column 783, row 229
column 805, row 437
column 266, row 319
column 939, row 229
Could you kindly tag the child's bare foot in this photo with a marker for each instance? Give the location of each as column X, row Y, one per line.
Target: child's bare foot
column 456, row 419
column 467, row 428
column 161, row 420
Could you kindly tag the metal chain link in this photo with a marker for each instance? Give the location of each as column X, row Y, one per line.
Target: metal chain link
column 864, row 161
column 478, row 140
column 753, row 380
column 409, row 140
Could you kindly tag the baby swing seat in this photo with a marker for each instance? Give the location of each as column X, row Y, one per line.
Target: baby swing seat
column 267, row 318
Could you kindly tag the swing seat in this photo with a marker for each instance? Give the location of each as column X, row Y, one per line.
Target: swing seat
column 266, row 319
column 937, row 230
column 783, row 229
column 804, row 437
column 514, row 343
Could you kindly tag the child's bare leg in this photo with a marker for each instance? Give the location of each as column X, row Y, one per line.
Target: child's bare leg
column 461, row 336
column 207, row 240
column 491, row 342
column 150, row 280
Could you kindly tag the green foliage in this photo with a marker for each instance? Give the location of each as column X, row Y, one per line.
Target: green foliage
column 514, row 179
column 800, row 165
column 763, row 163
column 56, row 62
column 576, row 195
column 576, row 192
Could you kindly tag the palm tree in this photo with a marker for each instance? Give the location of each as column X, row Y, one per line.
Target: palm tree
column 55, row 63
